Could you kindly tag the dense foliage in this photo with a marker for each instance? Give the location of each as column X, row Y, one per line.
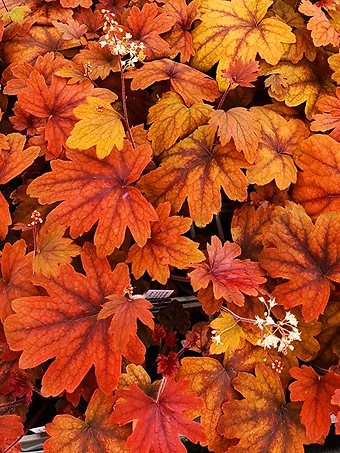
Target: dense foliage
column 165, row 145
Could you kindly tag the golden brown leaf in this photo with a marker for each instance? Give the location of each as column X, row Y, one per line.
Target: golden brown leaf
column 229, row 333
column 196, row 169
column 278, row 141
column 171, row 119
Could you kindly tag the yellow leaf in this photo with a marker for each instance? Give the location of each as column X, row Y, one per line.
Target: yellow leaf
column 99, row 126
column 298, row 83
column 17, row 14
column 238, row 29
column 227, row 333
column 172, row 119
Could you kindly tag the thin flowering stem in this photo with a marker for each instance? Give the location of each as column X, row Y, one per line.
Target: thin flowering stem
column 126, row 118
column 35, row 245
column 6, row 406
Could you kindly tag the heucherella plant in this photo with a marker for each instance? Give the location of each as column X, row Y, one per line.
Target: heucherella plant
column 169, row 224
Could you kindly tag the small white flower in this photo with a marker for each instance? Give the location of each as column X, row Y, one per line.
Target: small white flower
column 270, row 341
column 291, row 319
column 259, row 322
column 128, row 35
column 272, row 303
column 217, row 339
column 270, row 321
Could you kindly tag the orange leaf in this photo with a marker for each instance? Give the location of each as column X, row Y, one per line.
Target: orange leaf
column 75, row 3
column 100, row 58
column 192, row 85
column 318, row 186
column 147, row 25
column 240, row 124
column 55, row 104
column 99, row 126
column 336, row 400
column 39, row 41
column 248, row 229
column 234, row 30
column 50, row 326
column 210, row 381
column 279, row 139
column 179, row 38
column 150, row 429
column 53, row 249
column 330, row 119
column 195, row 169
column 165, row 247
column 96, row 434
column 230, row 277
column 334, row 63
column 298, row 83
column 17, row 273
column 11, row 429
column 242, row 73
column 123, row 328
column 293, row 251
column 171, row 119
column 14, row 159
column 316, row 392
column 323, row 32
column 262, row 421
column 101, row 191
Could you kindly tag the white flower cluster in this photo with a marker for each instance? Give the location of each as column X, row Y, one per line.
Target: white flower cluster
column 277, row 334
column 120, row 43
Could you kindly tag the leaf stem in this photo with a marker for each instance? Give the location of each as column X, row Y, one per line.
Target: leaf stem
column 35, row 245
column 18, row 402
column 126, row 118
column 219, row 227
column 224, row 95
column 4, row 5
column 161, row 388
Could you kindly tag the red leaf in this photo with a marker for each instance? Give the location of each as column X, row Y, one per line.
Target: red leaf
column 316, row 392
column 159, row 422
column 10, row 429
column 52, row 326
column 230, row 277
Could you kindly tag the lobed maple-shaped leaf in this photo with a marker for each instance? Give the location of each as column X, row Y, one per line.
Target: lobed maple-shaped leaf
column 65, row 325
column 248, row 229
column 305, row 254
column 55, row 104
column 14, row 159
column 38, row 41
column 71, row 30
column 330, row 117
column 318, row 186
column 242, row 73
column 329, row 337
column 323, row 31
column 100, row 58
column 159, row 422
column 75, row 3
column 16, row 14
column 95, row 434
column 238, row 30
column 336, row 401
column 17, row 273
column 11, row 429
column 316, row 392
column 94, row 21
column 196, row 169
column 210, row 381
column 230, row 277
column 147, row 25
column 230, row 334
column 171, row 119
column 298, row 83
column 262, row 421
column 334, row 63
column 53, row 250
column 99, row 126
column 240, row 124
column 278, row 141
column 192, row 85
column 123, row 328
column 180, row 38
column 166, row 247
column 174, row 317
column 95, row 189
